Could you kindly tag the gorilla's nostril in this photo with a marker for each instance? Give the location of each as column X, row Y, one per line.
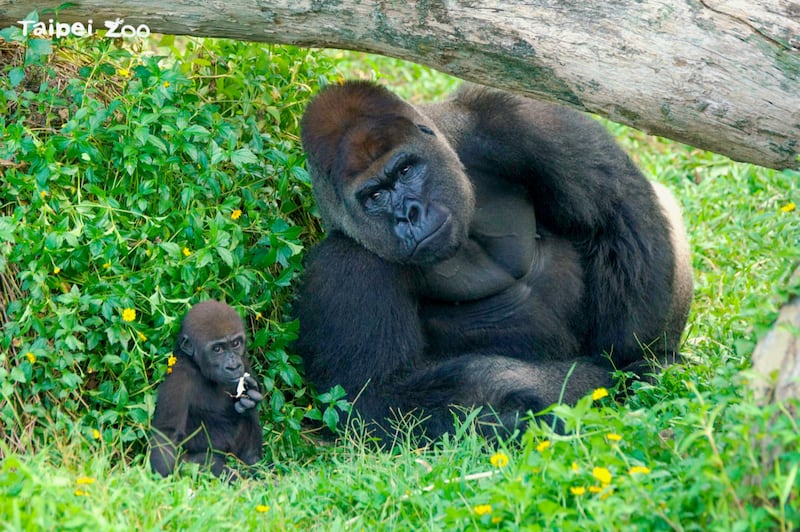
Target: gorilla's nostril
column 413, row 214
column 413, row 211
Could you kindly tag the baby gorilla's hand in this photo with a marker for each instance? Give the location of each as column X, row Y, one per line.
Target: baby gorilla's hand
column 249, row 397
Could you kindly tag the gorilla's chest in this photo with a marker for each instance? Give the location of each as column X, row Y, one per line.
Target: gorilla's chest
column 501, row 250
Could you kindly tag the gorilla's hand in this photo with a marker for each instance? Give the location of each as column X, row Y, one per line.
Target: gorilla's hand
column 251, row 396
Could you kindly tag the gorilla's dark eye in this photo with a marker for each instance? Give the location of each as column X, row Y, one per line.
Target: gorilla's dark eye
column 405, row 170
column 217, row 348
column 236, row 342
column 373, row 196
column 426, row 130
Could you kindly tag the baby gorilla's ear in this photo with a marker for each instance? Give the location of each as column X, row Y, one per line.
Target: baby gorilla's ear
column 185, row 345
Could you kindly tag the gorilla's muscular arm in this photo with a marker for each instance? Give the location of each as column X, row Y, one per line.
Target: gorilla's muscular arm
column 585, row 188
column 359, row 323
column 577, row 175
column 169, row 422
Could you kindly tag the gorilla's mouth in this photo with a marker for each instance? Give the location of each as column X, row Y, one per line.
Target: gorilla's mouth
column 234, row 376
column 431, row 246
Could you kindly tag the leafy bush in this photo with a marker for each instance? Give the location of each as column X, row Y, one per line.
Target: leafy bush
column 133, row 190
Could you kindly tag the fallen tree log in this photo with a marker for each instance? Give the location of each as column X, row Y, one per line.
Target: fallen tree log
column 722, row 75
column 776, row 359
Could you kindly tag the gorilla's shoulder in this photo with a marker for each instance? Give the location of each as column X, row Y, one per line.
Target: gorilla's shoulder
column 481, row 99
column 469, row 109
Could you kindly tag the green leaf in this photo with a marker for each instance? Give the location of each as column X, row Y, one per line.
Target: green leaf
column 158, row 143
column 330, row 418
column 225, row 255
column 122, row 395
column 38, row 48
column 243, row 156
column 16, row 75
column 33, row 16
column 12, row 34
column 17, row 375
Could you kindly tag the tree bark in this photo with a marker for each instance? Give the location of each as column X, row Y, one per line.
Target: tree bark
column 722, row 75
column 776, row 358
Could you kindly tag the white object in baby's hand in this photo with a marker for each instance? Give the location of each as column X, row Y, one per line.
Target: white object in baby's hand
column 240, row 388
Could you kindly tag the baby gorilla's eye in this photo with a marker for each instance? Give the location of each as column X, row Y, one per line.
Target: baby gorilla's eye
column 236, row 343
column 405, row 170
column 217, row 349
column 375, row 196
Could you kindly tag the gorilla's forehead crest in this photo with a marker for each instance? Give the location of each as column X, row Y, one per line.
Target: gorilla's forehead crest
column 347, row 127
column 368, row 141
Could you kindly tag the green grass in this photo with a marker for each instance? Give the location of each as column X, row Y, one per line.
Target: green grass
column 121, row 176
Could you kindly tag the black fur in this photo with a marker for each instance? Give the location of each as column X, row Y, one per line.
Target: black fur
column 554, row 250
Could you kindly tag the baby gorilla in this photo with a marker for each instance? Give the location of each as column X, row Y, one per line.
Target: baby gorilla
column 206, row 408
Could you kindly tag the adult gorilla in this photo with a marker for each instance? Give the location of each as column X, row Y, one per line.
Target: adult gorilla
column 477, row 249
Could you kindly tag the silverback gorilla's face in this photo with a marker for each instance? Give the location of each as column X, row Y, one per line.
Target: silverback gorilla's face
column 393, row 183
column 412, row 203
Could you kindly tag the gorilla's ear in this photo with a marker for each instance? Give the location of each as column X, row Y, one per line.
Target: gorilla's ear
column 185, row 345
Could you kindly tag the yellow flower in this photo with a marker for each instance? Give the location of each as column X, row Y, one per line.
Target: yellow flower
column 82, row 481
column 599, row 393
column 142, row 337
column 483, row 509
column 580, row 490
column 496, row 519
column 613, row 437
column 639, row 470
column 499, row 460
column 56, row 270
column 107, row 265
column 31, row 357
column 43, row 194
column 124, row 72
column 789, row 207
column 186, row 252
column 96, row 434
column 236, row 214
column 171, row 361
column 595, row 489
column 80, row 493
column 261, row 508
column 602, row 474
column 543, row 445
column 166, row 84
column 128, row 314
column 575, row 467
